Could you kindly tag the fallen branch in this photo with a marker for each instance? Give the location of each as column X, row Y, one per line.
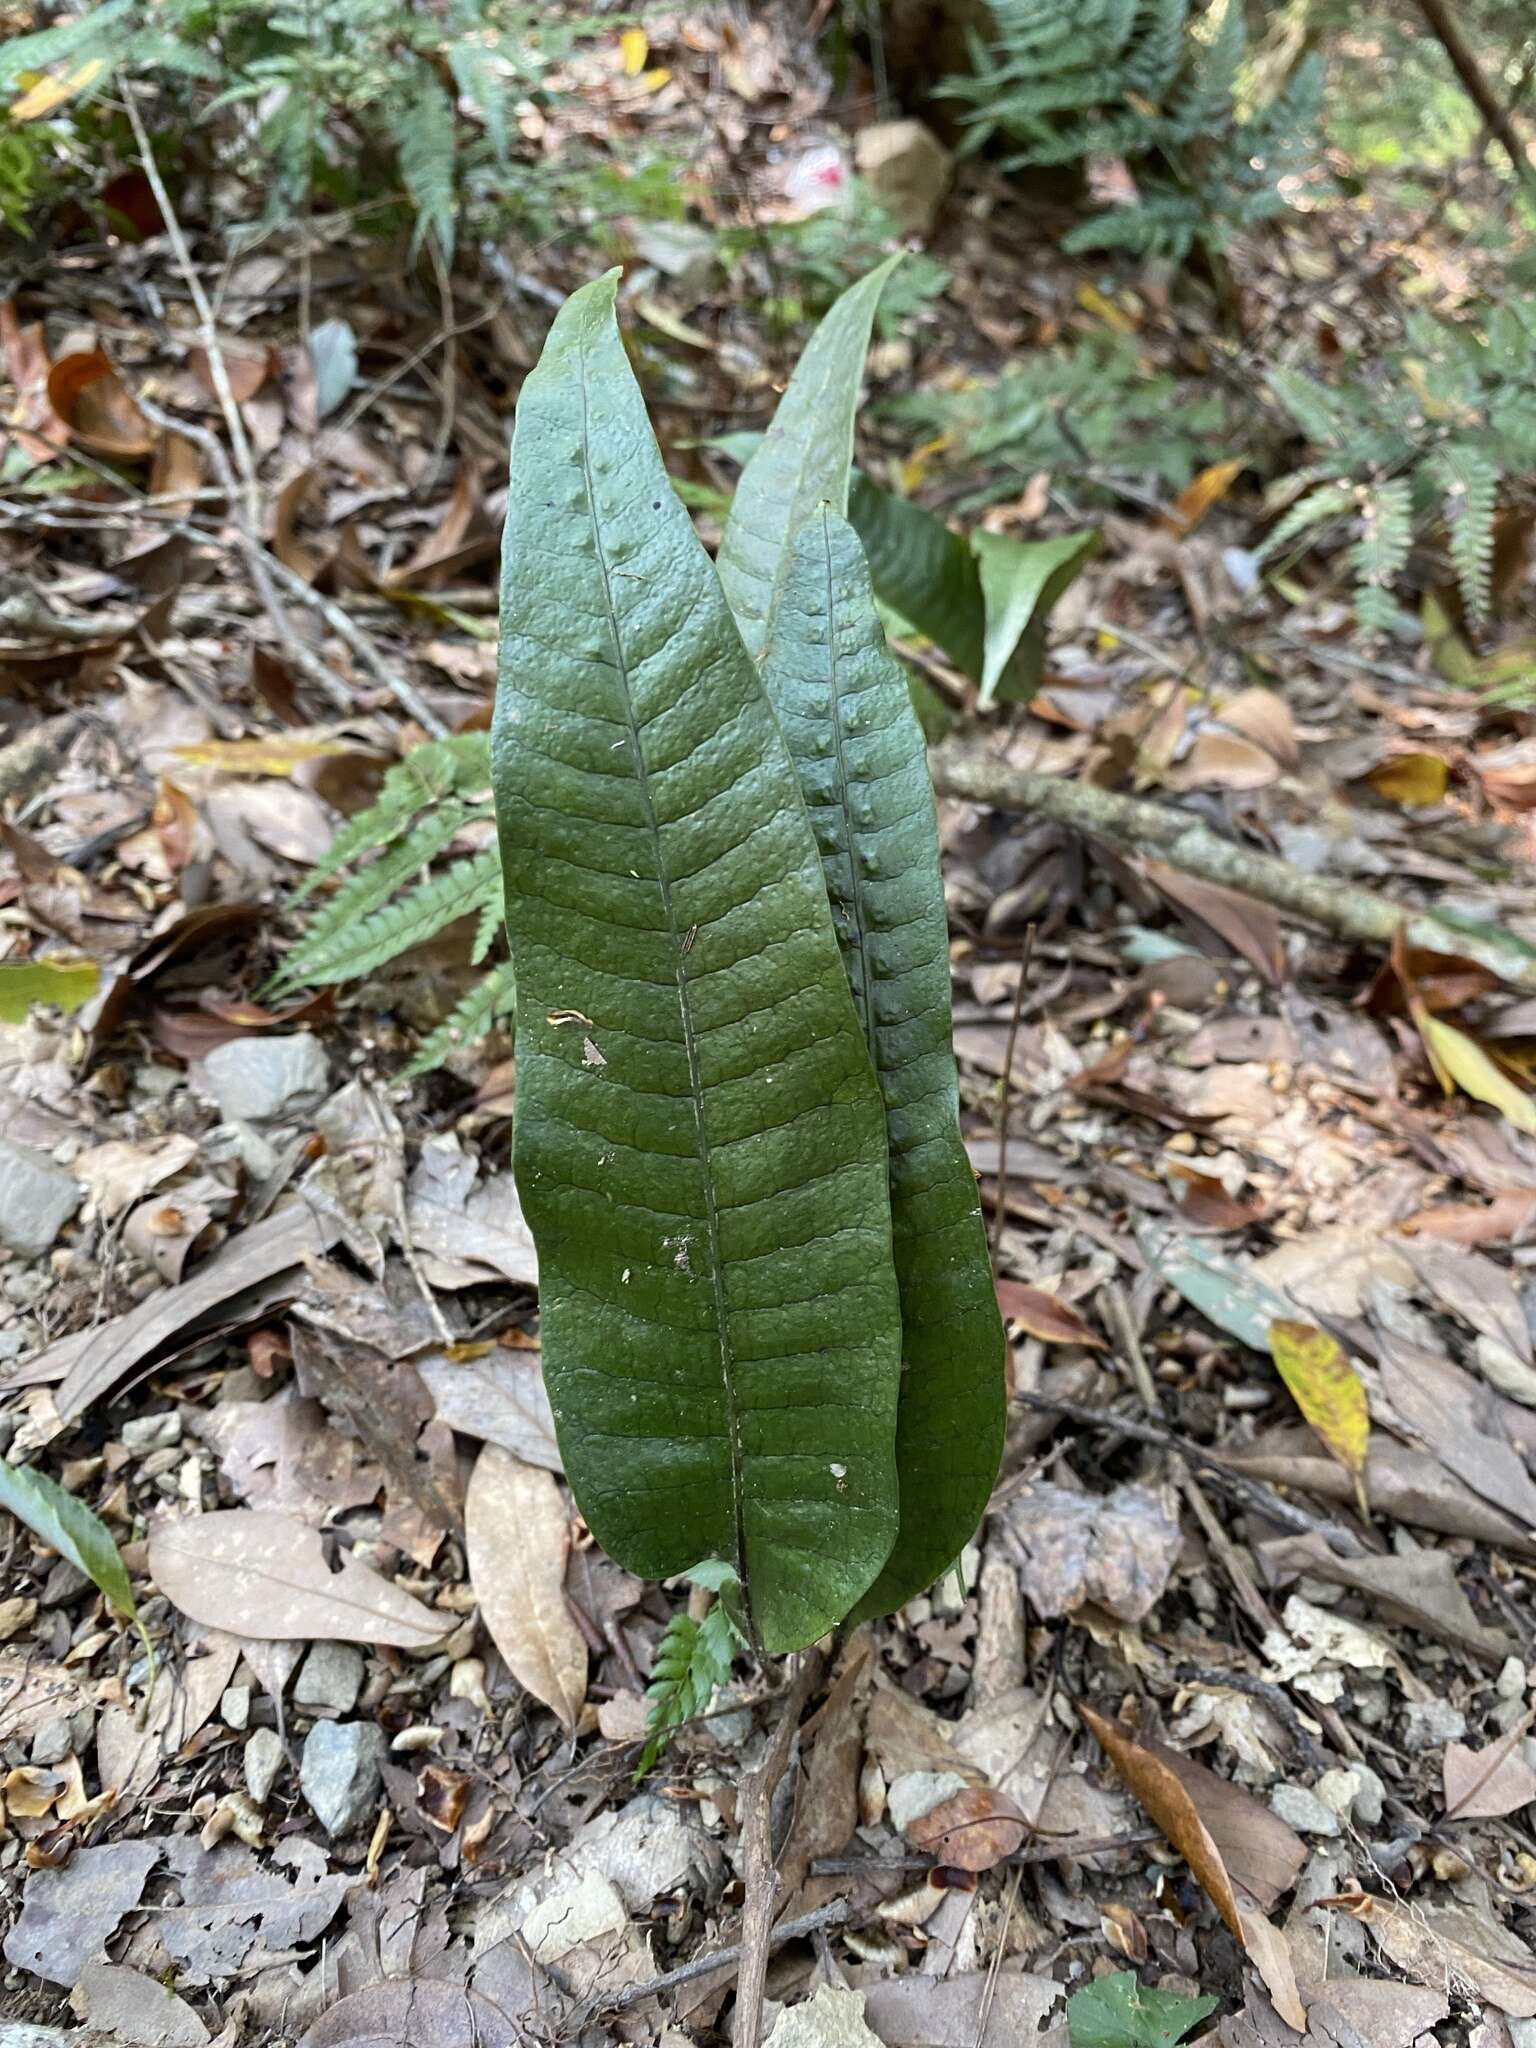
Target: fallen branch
column 833, row 1914
column 758, row 1873
column 1186, row 843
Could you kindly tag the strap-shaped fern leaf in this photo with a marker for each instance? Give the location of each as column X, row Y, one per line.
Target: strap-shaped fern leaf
column 1470, row 479
column 491, row 1001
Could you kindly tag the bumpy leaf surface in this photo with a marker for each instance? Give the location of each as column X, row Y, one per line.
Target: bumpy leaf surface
column 804, row 460
column 847, row 718
column 699, row 1138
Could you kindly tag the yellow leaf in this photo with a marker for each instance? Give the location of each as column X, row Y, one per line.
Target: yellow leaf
column 263, row 757
column 653, row 81
column 49, row 92
column 1093, row 301
column 634, row 48
column 1328, row 1391
column 1452, row 659
column 1197, row 498
column 1460, row 1062
column 910, row 474
column 1416, row 781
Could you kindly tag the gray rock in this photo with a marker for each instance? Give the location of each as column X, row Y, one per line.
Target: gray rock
column 255, row 1079
column 1353, row 1793
column 18, row 2034
column 1302, row 1809
column 37, row 1199
column 340, row 1772
column 907, row 168
column 1428, row 1724
column 235, row 1707
column 53, row 1741
column 263, row 1761
column 330, row 1679
column 144, row 1433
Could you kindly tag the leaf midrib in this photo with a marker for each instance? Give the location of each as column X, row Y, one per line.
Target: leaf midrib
column 680, row 958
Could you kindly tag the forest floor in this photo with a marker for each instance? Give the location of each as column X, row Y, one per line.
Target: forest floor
column 1187, row 1709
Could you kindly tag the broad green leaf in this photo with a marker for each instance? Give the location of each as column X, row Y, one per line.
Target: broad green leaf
column 922, row 569
column 699, row 1140
column 1327, row 1390
column 1020, row 581
column 1225, row 1293
column 65, row 984
column 1460, row 1062
column 1115, row 2012
column 848, row 721
column 804, row 460
column 68, row 1526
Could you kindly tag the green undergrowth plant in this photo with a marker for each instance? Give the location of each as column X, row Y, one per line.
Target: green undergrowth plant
column 1424, row 444
column 393, row 878
column 1154, row 83
column 770, row 1334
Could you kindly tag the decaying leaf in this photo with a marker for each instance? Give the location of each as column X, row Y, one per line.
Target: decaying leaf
column 1328, row 1391
column 1450, row 1948
column 1117, row 1550
column 971, row 1830
column 68, row 1914
column 1487, row 1784
column 1045, row 1315
column 517, row 1535
column 270, row 1574
column 1170, row 1805
column 1460, row 1062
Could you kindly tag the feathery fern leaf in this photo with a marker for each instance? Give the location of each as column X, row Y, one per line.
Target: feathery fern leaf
column 692, row 1658
column 1378, row 556
column 336, row 925
column 357, row 949
column 422, row 126
column 492, row 999
column 1328, row 501
column 1470, row 478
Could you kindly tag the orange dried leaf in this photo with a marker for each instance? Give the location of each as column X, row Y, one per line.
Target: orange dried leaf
column 97, row 407
column 973, row 1830
column 1208, row 488
column 1044, row 1315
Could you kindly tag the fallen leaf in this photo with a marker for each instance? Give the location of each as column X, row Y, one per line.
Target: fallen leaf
column 972, row 2009
column 416, row 2012
column 1241, row 923
column 53, row 90
column 1328, row 1391
column 1115, row 2012
column 634, row 48
column 517, row 1536
column 1460, row 1062
column 1117, row 1551
column 1206, row 1203
column 1416, row 781
column 1449, row 1948
column 1227, row 1294
column 1045, row 1315
column 122, row 1172
column 26, row 360
column 279, row 755
column 139, row 2011
column 1223, row 760
column 1169, row 1804
column 247, row 366
column 54, row 982
column 1508, row 1219
column 1487, row 1784
column 1419, row 1589
column 68, row 1914
column 499, row 1397
column 270, row 1575
column 973, row 1829
column 1265, row 716
column 231, row 1900
column 1206, row 490
column 97, row 407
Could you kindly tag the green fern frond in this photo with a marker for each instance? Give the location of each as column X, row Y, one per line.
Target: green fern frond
column 492, row 999
column 1379, row 555
column 692, row 1658
column 1328, row 501
column 369, row 888
column 1315, row 409
column 358, row 948
column 422, row 127
column 460, row 766
column 104, row 32
column 1470, row 479
column 488, row 930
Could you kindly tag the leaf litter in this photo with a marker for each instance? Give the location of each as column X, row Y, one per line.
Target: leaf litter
column 310, row 1413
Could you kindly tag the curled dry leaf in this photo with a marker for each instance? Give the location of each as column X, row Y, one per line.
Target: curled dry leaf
column 272, row 1573
column 97, row 407
column 1045, row 1315
column 971, row 1830
column 1169, row 1803
column 517, row 1535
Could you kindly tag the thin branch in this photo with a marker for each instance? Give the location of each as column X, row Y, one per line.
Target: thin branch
column 1495, row 113
column 1191, row 846
column 758, row 1873
column 831, row 1915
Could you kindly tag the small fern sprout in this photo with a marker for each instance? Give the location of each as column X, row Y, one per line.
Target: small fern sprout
column 692, row 1658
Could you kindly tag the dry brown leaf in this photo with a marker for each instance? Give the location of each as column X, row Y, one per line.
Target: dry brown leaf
column 271, row 1575
column 97, row 407
column 1117, row 1551
column 39, row 432
column 1242, row 924
column 1419, row 1589
column 972, row 1830
column 1224, row 760
column 1045, row 1315
column 517, row 1535
column 1263, row 715
column 1449, row 1948
column 1487, row 1784
column 1168, row 1802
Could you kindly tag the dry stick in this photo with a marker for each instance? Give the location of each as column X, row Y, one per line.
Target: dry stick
column 758, row 1873
column 1064, row 1847
column 405, row 694
column 1464, row 62
column 207, row 332
column 1186, row 843
column 831, row 1915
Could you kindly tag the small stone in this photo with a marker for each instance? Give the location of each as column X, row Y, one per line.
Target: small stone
column 1304, row 1810
column 144, row 1433
column 15, row 1613
column 235, row 1707
column 255, row 1079
column 681, row 251
column 54, row 1741
column 832, row 2017
column 19, row 2034
column 1510, row 1683
column 1353, row 1793
column 907, row 168
column 1430, row 1724
column 37, row 1199
column 263, row 1761
column 340, row 1772
column 330, row 1679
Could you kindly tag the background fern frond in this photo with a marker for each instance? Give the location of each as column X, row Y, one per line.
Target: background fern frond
column 359, row 947
column 490, row 1002
column 692, row 1658
column 422, row 126
column 1470, row 479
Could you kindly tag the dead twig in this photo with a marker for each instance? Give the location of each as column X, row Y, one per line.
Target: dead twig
column 833, row 1914
column 1066, row 1846
column 759, row 1875
column 1188, row 844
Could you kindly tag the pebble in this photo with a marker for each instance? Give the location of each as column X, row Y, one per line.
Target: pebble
column 1354, row 1793
column 235, row 1707
column 53, row 1741
column 1302, row 1809
column 263, row 1761
column 255, row 1079
column 330, row 1679
column 907, row 168
column 37, row 1199
column 340, row 1773
column 144, row 1433
column 1428, row 1724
